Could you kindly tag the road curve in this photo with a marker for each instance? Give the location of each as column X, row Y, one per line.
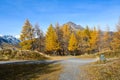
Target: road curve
column 71, row 66
column 29, row 62
column 72, row 70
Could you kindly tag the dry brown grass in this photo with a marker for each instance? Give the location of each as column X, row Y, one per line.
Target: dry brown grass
column 9, row 54
column 85, row 56
column 103, row 71
column 30, row 71
column 61, row 57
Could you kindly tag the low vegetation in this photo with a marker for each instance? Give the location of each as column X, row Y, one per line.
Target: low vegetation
column 109, row 70
column 108, row 54
column 87, row 56
column 30, row 71
column 61, row 57
column 9, row 54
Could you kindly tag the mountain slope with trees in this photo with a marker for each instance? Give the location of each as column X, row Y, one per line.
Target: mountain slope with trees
column 68, row 38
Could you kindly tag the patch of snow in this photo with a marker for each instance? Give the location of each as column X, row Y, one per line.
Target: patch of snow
column 17, row 36
column 1, row 35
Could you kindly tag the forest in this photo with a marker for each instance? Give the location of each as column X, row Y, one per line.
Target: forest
column 64, row 40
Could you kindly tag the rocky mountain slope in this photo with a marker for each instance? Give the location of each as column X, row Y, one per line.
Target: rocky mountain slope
column 8, row 39
column 74, row 26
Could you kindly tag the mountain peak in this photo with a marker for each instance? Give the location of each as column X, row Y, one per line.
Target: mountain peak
column 70, row 22
column 74, row 26
column 9, row 40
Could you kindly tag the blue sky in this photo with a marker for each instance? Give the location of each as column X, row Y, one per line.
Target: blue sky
column 13, row 13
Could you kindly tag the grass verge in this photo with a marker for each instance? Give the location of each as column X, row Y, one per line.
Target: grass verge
column 107, row 54
column 87, row 56
column 9, row 54
column 30, row 71
column 103, row 71
column 61, row 57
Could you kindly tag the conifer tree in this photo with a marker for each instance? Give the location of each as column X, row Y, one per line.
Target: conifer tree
column 93, row 39
column 80, row 41
column 107, row 38
column 39, row 38
column 66, row 32
column 116, row 37
column 51, row 40
column 26, row 36
column 66, row 35
column 86, row 38
column 99, row 44
column 60, row 38
column 72, row 43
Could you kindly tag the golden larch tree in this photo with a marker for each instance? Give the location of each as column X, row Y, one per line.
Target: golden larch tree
column 51, row 40
column 66, row 31
column 107, row 38
column 26, row 36
column 72, row 43
column 93, row 39
column 86, row 38
column 116, row 38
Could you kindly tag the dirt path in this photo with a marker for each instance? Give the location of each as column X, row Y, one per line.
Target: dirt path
column 71, row 69
column 29, row 62
column 71, row 66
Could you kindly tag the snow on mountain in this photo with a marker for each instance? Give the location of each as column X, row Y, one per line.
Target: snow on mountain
column 9, row 39
column 17, row 36
column 1, row 35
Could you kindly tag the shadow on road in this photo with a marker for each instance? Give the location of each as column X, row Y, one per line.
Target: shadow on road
column 26, row 70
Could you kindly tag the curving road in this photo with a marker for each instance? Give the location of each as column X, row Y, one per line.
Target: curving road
column 72, row 70
column 71, row 66
column 29, row 62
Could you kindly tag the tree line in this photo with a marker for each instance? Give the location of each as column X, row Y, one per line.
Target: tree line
column 63, row 40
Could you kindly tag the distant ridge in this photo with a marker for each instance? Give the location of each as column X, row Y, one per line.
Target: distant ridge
column 74, row 26
column 8, row 39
